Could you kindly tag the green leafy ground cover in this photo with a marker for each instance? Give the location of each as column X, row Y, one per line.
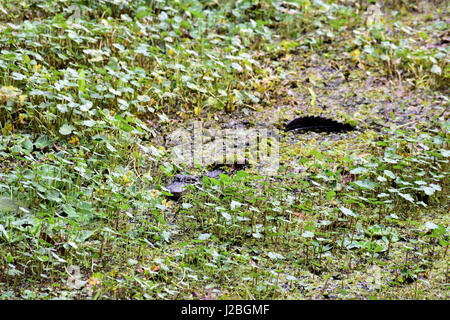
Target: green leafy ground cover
column 90, row 91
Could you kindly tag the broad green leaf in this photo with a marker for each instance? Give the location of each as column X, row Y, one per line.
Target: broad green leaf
column 204, row 236
column 89, row 123
column 69, row 210
column 358, row 170
column 348, row 212
column 132, row 262
column 275, row 256
column 307, row 234
column 42, row 142
column 66, row 129
column 436, row 69
column 390, row 174
column 235, row 204
column 226, row 215
column 428, row 190
column 366, row 184
column 407, row 196
column 430, row 225
column 237, row 67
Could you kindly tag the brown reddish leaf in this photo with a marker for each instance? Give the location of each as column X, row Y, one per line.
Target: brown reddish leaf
column 207, row 297
column 299, row 214
column 56, row 147
column 362, row 155
column 156, row 268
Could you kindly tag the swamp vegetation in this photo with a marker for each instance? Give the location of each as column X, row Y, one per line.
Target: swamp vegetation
column 91, row 91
